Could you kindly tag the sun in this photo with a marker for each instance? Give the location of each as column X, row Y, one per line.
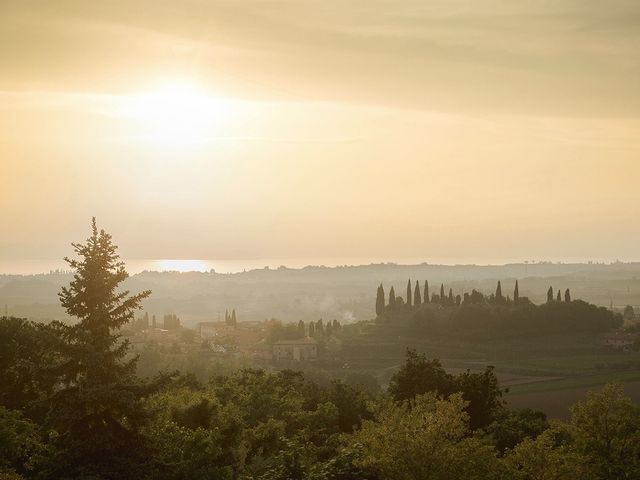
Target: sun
column 177, row 114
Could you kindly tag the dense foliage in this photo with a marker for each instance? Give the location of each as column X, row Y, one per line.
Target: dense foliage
column 71, row 407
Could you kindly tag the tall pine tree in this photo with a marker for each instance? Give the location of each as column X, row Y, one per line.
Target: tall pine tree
column 426, row 292
column 96, row 410
column 392, row 298
column 443, row 299
column 516, row 293
column 417, row 300
column 409, row 293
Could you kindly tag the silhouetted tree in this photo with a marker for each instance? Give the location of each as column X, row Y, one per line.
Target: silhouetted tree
column 409, row 293
column 567, row 296
column 458, row 299
column 301, row 329
column 550, row 295
column 443, row 299
column 320, row 327
column 392, row 298
column 380, row 301
column 516, row 293
column 417, row 300
column 559, row 297
column 499, row 297
column 96, row 409
column 629, row 312
column 450, row 298
column 426, row 292
column 312, row 329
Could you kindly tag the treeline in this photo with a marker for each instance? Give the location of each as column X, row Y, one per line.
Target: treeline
column 418, row 296
column 318, row 330
column 475, row 316
column 71, row 407
column 281, row 426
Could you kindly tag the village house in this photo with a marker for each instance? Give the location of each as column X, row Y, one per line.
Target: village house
column 620, row 341
column 299, row 350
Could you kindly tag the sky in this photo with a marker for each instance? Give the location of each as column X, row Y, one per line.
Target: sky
column 481, row 131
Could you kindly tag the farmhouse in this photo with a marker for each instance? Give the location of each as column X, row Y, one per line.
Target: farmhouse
column 300, row 350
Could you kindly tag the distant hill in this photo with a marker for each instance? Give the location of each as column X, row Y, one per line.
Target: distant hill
column 313, row 292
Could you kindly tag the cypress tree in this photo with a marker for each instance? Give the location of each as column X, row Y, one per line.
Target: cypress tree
column 312, row 329
column 567, row 296
column 417, row 300
column 301, row 329
column 516, row 293
column 443, row 299
column 320, row 327
column 426, row 292
column 409, row 293
column 450, row 299
column 499, row 297
column 458, row 299
column 550, row 295
column 226, row 316
column 233, row 321
column 392, row 298
column 380, row 301
column 96, row 409
column 559, row 297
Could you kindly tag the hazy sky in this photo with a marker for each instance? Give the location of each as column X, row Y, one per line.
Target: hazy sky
column 320, row 129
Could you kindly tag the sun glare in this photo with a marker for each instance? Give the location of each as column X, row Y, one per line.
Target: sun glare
column 177, row 114
column 179, row 265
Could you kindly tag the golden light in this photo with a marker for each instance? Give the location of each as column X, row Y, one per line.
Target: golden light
column 179, row 265
column 174, row 115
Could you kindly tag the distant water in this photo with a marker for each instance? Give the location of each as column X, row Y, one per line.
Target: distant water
column 31, row 267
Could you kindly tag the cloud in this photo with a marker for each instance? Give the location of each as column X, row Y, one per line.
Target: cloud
column 565, row 57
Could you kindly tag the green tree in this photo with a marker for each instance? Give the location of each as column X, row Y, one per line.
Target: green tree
column 20, row 444
column 542, row 459
column 409, row 293
column 96, row 409
column 419, row 375
column 425, row 439
column 511, row 427
column 606, row 430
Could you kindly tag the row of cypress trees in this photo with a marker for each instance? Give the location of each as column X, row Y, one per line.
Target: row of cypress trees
column 417, row 296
